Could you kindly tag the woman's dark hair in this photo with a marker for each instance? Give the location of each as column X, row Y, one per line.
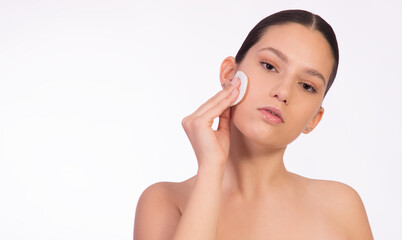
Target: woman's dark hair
column 303, row 17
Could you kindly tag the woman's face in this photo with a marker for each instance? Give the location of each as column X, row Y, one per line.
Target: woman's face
column 288, row 69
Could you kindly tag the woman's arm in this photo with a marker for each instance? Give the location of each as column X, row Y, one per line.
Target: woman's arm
column 157, row 219
column 201, row 215
column 355, row 216
column 157, row 214
column 347, row 209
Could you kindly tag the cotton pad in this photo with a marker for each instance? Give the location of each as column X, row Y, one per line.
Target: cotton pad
column 243, row 86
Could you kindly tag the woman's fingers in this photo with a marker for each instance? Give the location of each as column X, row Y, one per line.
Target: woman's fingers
column 211, row 147
column 219, row 107
column 224, row 95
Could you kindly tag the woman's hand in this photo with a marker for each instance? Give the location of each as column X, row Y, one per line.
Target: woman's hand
column 212, row 147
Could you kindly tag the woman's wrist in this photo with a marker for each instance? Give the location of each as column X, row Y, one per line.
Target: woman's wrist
column 211, row 172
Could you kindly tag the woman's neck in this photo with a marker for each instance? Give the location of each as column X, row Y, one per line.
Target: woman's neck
column 251, row 169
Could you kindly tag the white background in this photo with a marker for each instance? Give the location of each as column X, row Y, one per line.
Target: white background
column 92, row 94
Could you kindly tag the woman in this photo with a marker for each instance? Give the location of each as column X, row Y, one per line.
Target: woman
column 242, row 189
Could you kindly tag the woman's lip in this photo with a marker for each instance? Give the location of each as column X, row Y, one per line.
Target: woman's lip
column 274, row 110
column 270, row 117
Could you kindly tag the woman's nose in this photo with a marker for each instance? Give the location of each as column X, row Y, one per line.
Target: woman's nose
column 281, row 90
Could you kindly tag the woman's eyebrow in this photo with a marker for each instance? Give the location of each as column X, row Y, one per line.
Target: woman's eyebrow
column 284, row 58
column 278, row 53
column 315, row 73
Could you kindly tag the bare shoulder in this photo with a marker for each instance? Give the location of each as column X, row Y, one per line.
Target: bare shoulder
column 342, row 204
column 159, row 209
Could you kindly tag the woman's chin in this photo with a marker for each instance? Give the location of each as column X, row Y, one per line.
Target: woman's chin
column 263, row 136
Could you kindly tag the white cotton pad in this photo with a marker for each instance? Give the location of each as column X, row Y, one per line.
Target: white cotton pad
column 243, row 86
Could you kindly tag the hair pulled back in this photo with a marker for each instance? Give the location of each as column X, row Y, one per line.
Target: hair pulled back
column 303, row 17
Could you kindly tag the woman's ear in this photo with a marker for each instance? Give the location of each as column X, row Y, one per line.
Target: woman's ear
column 228, row 70
column 314, row 121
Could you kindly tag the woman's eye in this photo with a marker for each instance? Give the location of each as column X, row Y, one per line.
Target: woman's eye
column 268, row 66
column 308, row 87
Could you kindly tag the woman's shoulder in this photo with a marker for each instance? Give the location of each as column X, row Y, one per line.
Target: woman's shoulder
column 175, row 193
column 172, row 188
column 329, row 192
column 341, row 203
column 333, row 192
column 160, row 204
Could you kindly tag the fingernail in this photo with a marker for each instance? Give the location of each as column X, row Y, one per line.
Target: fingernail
column 234, row 81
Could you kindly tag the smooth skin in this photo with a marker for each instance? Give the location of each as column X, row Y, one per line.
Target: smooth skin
column 242, row 189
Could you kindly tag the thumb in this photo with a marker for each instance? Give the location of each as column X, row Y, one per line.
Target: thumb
column 224, row 120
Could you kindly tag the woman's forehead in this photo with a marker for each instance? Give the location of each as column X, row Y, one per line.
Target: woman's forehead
column 298, row 44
